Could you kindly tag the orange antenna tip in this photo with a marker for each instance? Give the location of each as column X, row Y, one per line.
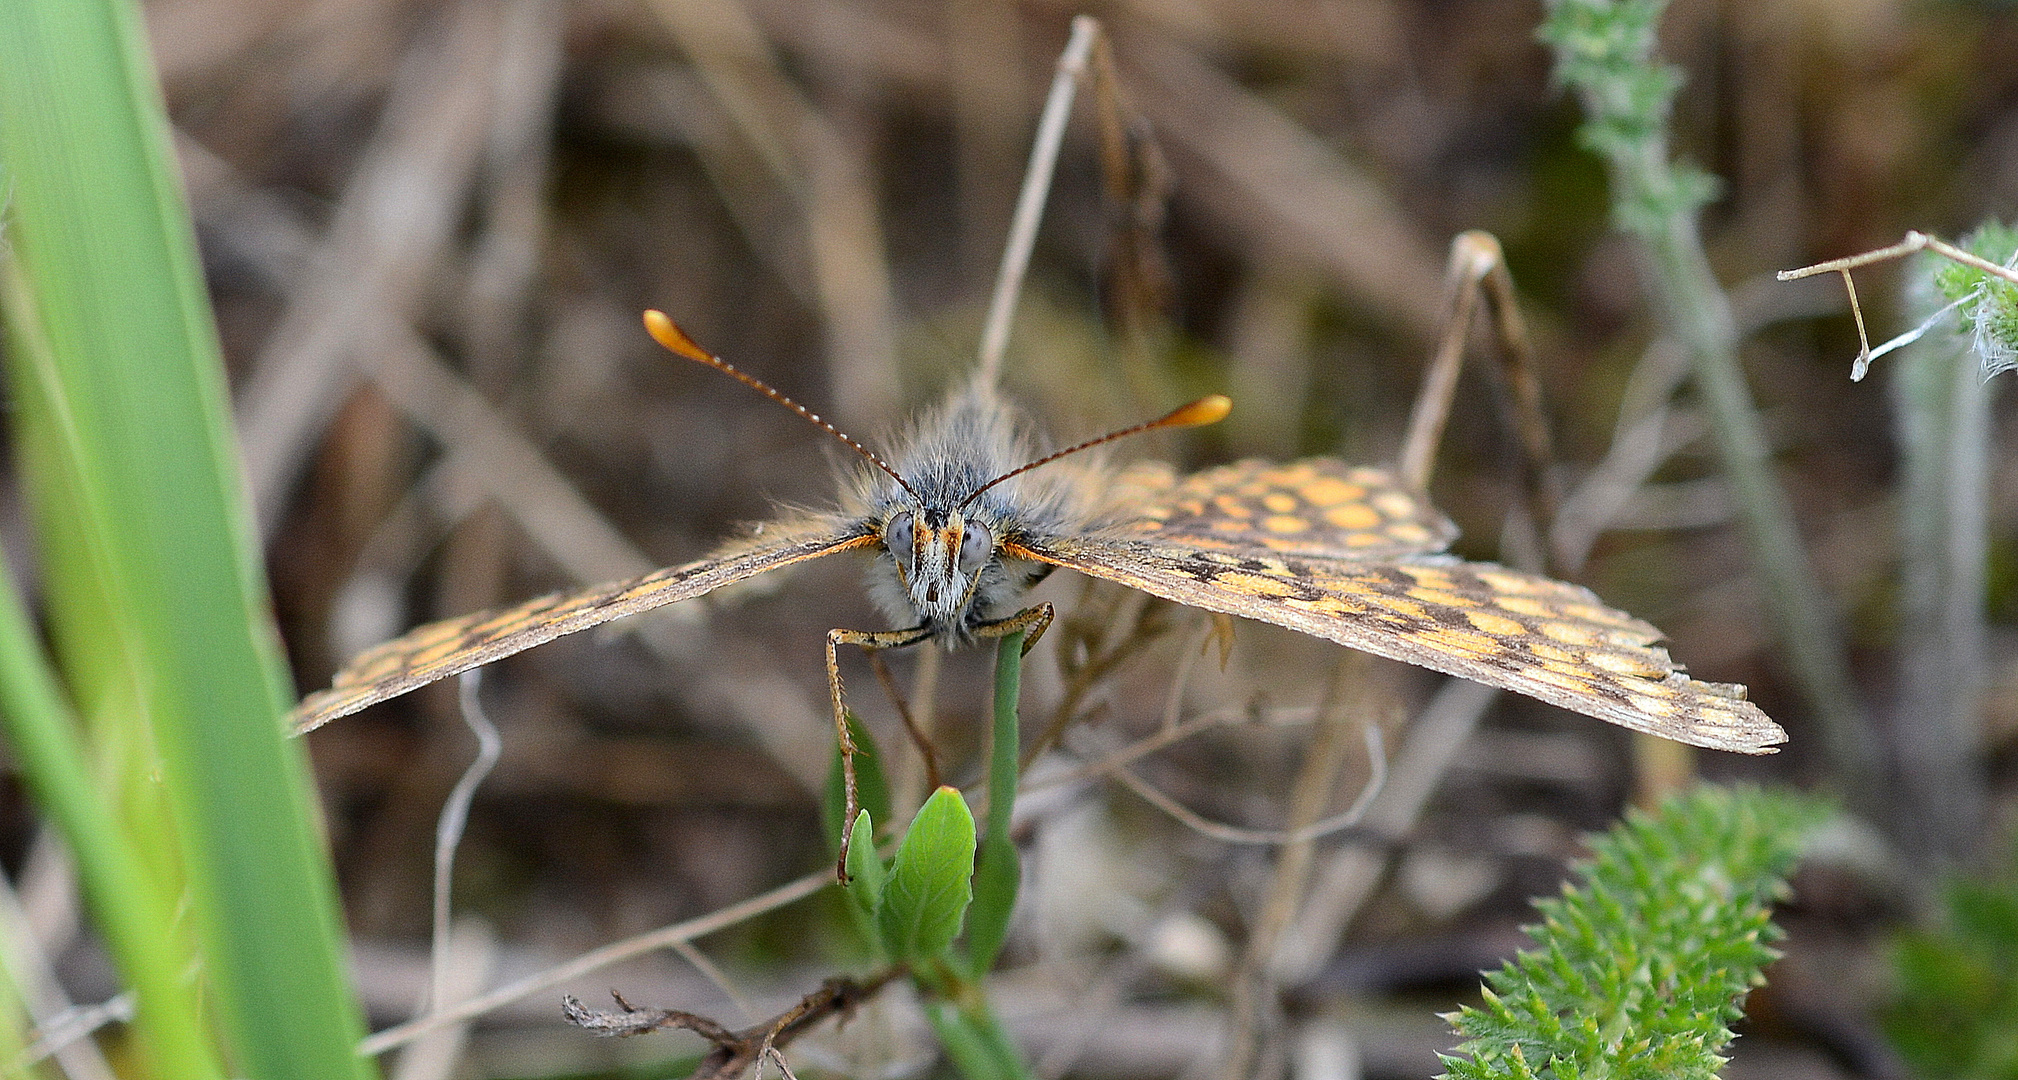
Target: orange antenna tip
column 1210, row 409
column 668, row 333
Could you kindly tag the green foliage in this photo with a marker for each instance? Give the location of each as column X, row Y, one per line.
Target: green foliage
column 976, row 1042
column 1988, row 305
column 157, row 735
column 911, row 910
column 1640, row 970
column 926, row 895
column 999, row 871
column 866, row 874
column 1604, row 52
column 1954, row 1012
column 872, row 787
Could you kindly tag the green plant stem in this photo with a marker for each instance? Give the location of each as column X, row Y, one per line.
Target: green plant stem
column 1605, row 50
column 1006, row 736
column 998, row 871
column 976, row 1042
column 1698, row 315
column 1941, row 420
column 130, row 910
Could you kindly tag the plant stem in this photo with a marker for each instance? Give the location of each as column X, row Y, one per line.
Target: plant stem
column 974, row 1039
column 1698, row 315
column 1605, row 50
column 998, row 870
column 1941, row 417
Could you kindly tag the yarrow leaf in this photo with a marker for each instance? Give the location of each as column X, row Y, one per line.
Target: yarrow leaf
column 1640, row 969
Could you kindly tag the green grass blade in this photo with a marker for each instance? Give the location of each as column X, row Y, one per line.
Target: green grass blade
column 160, row 615
column 135, row 917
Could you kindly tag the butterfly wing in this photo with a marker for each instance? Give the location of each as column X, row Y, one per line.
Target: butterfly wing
column 450, row 647
column 1536, row 636
column 1318, row 508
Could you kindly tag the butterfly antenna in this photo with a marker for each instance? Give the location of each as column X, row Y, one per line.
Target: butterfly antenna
column 1210, row 409
column 668, row 333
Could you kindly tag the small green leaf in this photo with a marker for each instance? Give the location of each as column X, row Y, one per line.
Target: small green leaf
column 866, row 875
column 865, row 869
column 926, row 894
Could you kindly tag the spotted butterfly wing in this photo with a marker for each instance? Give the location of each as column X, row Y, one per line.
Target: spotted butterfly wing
column 1345, row 554
column 1317, row 508
column 450, row 647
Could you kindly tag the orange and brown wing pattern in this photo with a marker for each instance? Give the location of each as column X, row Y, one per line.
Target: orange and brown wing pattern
column 453, row 646
column 1319, row 508
column 1547, row 639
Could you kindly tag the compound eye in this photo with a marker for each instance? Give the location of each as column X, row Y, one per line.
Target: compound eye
column 897, row 536
column 975, row 547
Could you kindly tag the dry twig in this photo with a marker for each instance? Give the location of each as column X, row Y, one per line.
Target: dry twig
column 1914, row 242
column 735, row 1053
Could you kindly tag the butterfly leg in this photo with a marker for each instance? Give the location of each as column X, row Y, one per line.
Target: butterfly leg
column 871, row 641
column 1034, row 619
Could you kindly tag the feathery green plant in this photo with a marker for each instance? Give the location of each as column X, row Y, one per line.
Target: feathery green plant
column 1640, row 969
column 1987, row 304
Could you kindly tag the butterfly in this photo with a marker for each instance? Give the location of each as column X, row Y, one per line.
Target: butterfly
column 964, row 520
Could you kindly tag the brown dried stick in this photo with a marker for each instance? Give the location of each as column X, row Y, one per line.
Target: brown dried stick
column 735, row 1052
column 1915, row 241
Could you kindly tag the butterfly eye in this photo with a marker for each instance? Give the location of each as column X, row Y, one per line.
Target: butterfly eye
column 897, row 537
column 975, row 547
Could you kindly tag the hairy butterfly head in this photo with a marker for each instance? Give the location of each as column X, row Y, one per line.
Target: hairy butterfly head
column 963, row 497
column 942, row 567
column 940, row 556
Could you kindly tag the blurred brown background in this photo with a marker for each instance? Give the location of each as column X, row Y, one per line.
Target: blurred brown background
column 430, row 228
